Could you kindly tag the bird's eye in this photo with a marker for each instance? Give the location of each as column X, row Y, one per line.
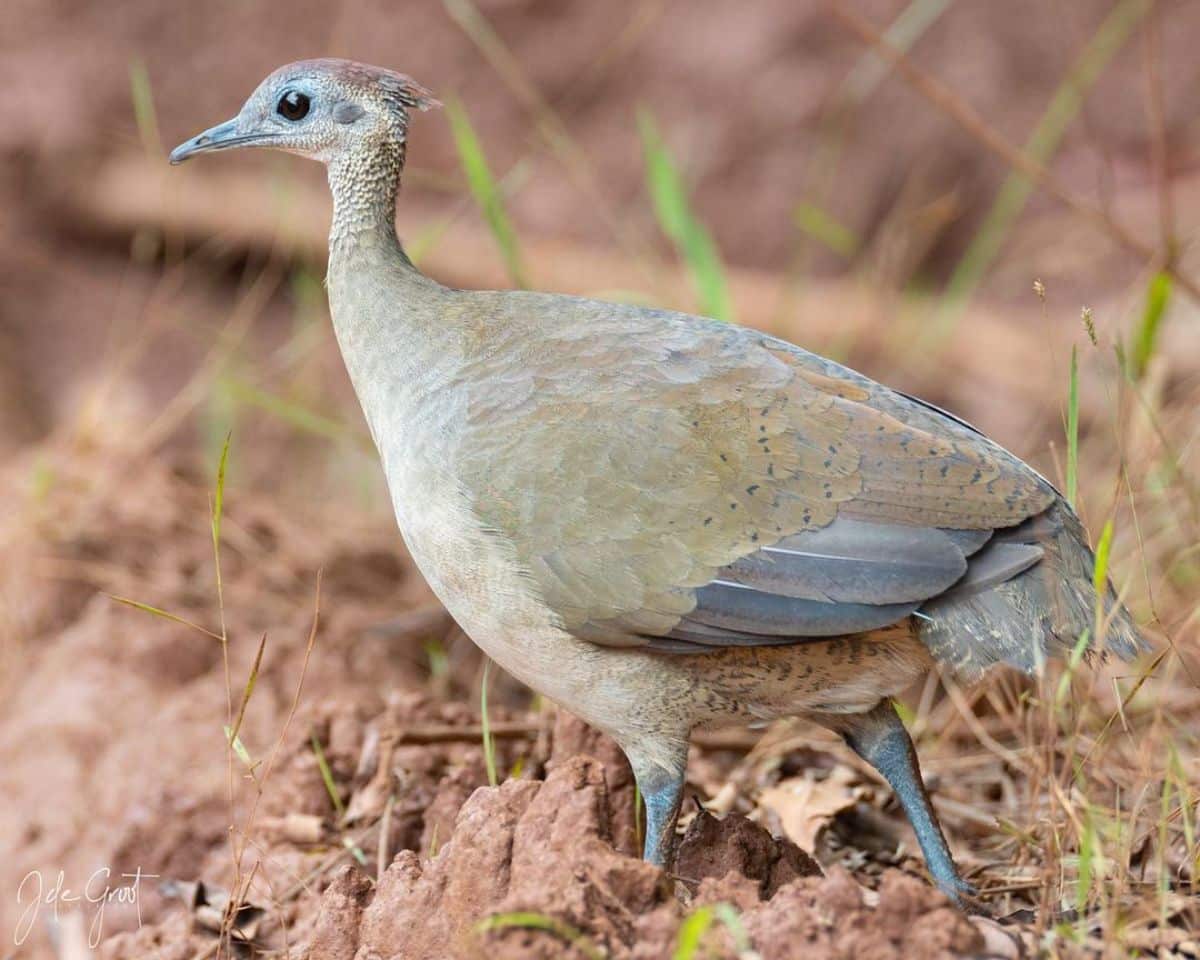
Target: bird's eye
column 293, row 105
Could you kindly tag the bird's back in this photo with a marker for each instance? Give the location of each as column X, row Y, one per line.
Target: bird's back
column 652, row 471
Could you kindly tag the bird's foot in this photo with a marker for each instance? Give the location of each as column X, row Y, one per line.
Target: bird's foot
column 963, row 895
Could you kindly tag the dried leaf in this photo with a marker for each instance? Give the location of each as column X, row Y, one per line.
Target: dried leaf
column 805, row 805
column 998, row 942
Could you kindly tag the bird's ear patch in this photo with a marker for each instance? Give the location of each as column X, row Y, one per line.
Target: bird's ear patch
column 347, row 112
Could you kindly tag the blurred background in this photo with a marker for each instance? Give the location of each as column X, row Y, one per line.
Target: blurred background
column 763, row 162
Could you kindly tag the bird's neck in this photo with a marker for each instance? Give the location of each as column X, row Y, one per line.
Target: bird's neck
column 386, row 314
column 364, row 187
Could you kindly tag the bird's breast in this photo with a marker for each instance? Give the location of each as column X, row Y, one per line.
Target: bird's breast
column 471, row 569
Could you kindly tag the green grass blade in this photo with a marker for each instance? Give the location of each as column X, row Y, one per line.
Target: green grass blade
column 238, row 747
column 419, row 245
column 1042, row 144
column 872, row 69
column 1087, row 859
column 248, row 691
column 157, row 612
column 485, row 190
column 327, row 776
column 822, row 227
column 539, row 921
column 695, row 925
column 906, row 714
column 219, row 496
column 1145, row 340
column 1122, row 356
column 728, row 915
column 143, row 108
column 1073, row 429
column 356, row 851
column 293, row 414
column 489, row 742
column 673, row 210
column 1103, row 549
column 439, row 662
column 1100, row 577
column 1179, row 777
column 1082, row 642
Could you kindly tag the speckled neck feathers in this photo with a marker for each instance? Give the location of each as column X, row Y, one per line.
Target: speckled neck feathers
column 364, row 177
column 364, row 185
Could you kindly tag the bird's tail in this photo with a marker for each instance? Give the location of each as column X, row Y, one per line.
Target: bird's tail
column 1028, row 595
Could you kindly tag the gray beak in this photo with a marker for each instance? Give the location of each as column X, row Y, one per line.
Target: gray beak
column 221, row 137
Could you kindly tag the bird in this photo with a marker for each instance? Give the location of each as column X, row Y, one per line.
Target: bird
column 668, row 523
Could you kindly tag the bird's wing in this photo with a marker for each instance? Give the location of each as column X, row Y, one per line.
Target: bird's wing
column 683, row 484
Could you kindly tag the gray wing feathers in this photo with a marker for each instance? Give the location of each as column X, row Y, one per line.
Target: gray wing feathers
column 969, row 542
column 1016, row 594
column 854, row 561
column 734, row 607
column 993, row 565
column 850, row 577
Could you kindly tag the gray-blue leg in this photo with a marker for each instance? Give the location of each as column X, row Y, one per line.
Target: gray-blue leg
column 662, row 792
column 879, row 738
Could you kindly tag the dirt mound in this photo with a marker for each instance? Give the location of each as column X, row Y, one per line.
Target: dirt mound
column 537, row 858
column 547, row 868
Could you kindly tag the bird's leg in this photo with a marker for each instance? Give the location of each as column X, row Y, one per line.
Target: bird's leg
column 879, row 738
column 662, row 791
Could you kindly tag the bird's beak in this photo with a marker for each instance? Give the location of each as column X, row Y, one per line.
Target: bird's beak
column 221, row 137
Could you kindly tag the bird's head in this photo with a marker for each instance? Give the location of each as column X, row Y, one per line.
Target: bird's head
column 322, row 109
